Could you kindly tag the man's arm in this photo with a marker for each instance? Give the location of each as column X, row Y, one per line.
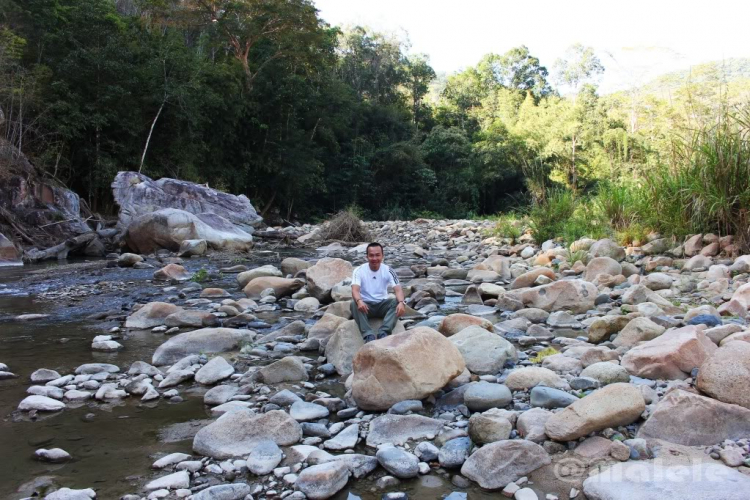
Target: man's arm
column 401, row 307
column 357, row 298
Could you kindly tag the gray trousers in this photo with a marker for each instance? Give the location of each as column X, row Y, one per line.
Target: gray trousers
column 385, row 309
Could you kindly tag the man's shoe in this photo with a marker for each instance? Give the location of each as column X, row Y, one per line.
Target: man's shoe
column 382, row 335
column 368, row 338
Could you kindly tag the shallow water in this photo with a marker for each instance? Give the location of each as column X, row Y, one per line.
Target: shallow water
column 113, row 446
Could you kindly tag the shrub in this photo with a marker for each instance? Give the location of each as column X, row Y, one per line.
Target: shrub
column 200, row 276
column 547, row 217
column 346, row 226
column 707, row 186
column 635, row 234
column 508, row 226
column 620, row 204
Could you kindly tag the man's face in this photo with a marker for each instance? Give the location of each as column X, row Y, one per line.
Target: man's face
column 375, row 257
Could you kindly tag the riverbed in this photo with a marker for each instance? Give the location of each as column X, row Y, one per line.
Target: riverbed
column 114, row 445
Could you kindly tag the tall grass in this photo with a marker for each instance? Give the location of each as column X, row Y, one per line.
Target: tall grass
column 707, row 186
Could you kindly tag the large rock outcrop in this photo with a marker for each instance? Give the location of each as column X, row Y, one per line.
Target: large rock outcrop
column 409, row 365
column 46, row 213
column 169, row 227
column 139, row 195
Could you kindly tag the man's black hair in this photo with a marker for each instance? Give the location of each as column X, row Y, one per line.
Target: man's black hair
column 373, row 245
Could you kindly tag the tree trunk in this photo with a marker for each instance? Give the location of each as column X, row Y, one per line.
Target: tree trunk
column 573, row 173
column 269, row 204
column 60, row 252
column 148, row 139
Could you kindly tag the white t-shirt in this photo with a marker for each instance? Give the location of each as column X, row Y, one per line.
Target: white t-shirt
column 374, row 284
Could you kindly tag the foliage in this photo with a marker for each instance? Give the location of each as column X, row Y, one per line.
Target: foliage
column 546, row 352
column 200, row 276
column 547, row 219
column 508, row 226
column 263, row 98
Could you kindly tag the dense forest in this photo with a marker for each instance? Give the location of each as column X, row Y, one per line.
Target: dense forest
column 262, row 97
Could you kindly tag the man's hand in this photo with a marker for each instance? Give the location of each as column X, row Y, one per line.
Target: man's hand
column 400, row 309
column 362, row 306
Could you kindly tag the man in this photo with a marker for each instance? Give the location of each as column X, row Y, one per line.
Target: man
column 370, row 295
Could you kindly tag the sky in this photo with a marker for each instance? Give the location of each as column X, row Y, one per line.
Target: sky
column 635, row 40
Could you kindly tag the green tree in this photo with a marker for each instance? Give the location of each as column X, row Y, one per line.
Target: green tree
column 581, row 65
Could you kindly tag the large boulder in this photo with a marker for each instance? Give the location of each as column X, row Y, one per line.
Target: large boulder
column 526, row 377
column 282, row 287
column 613, row 405
column 169, row 227
column 672, row 355
column 410, row 365
column 205, row 340
column 293, row 265
column 485, row 353
column 215, row 370
column 454, row 323
column 322, row 481
column 739, row 303
column 288, row 369
column 325, row 327
column 139, row 195
column 495, row 465
column 607, row 248
column 575, row 295
column 601, row 265
column 246, row 277
column 689, row 419
column 151, row 315
column 638, row 330
column 343, row 346
column 725, row 375
column 236, row 433
column 323, row 276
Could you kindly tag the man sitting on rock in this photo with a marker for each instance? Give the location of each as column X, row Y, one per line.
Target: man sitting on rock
column 370, row 295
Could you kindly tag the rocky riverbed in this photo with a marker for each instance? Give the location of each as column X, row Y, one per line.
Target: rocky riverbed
column 531, row 371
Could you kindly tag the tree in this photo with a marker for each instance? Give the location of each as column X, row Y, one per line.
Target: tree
column 419, row 76
column 261, row 31
column 373, row 65
column 580, row 66
column 516, row 69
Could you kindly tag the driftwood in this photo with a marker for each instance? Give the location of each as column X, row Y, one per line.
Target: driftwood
column 271, row 235
column 60, row 251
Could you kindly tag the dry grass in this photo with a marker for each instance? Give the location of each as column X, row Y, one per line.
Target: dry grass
column 345, row 226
